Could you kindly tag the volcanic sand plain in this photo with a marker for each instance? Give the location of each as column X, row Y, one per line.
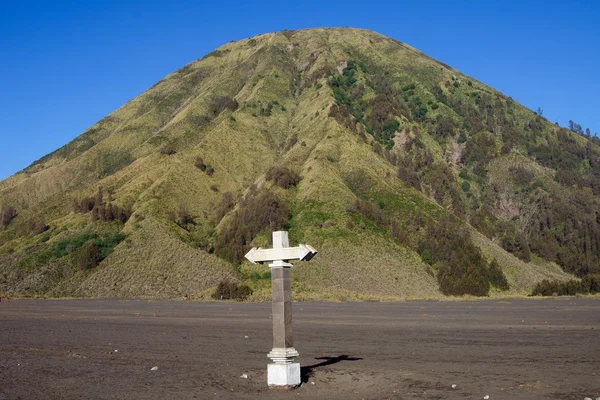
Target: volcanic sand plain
column 106, row 349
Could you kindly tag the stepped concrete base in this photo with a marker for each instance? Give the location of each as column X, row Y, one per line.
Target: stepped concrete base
column 284, row 374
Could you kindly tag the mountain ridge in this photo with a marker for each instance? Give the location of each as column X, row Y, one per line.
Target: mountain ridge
column 377, row 134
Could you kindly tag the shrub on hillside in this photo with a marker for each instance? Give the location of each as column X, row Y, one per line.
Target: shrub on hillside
column 37, row 226
column 71, row 244
column 515, row 242
column 200, row 164
column 225, row 205
column 283, row 177
column 462, row 268
column 8, row 214
column 259, row 211
column 480, row 149
column 89, row 256
column 496, row 276
column 206, row 168
column 84, row 205
column 231, row 290
column 445, row 127
column 102, row 211
column 399, row 233
column 168, row 150
column 221, row 103
column 556, row 288
column 182, row 217
column 406, row 173
column 458, row 277
column 589, row 284
column 371, row 211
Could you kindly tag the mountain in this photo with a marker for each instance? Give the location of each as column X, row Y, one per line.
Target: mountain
column 410, row 178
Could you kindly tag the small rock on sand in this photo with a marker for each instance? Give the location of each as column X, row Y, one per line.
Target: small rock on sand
column 153, row 368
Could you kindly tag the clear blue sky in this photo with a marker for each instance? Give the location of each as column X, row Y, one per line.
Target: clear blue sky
column 66, row 64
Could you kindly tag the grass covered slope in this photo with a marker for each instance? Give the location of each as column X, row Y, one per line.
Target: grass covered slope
column 408, row 177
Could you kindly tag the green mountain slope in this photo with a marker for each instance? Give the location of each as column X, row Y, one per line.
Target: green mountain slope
column 406, row 175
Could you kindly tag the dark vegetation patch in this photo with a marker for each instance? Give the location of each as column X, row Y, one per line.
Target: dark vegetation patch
column 512, row 240
column 445, row 245
column 37, row 226
column 73, row 244
column 480, row 150
column 588, row 285
column 102, row 210
column 259, row 211
column 264, row 110
column 496, row 276
column 317, row 74
column 168, row 149
column 95, row 248
column 222, row 103
column 377, row 116
column 395, row 98
column 199, row 163
column 182, row 217
column 206, row 168
column 359, row 183
column 283, row 177
column 9, row 213
column 461, row 266
column 372, row 212
column 89, row 256
column 110, row 161
column 226, row 204
column 227, row 290
column 556, row 224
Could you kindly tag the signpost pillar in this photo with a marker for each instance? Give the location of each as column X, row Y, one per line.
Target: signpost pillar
column 283, row 371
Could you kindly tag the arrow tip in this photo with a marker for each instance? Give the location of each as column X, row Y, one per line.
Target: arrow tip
column 249, row 255
column 310, row 252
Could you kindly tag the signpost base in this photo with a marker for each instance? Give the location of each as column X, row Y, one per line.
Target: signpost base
column 283, row 374
column 283, row 371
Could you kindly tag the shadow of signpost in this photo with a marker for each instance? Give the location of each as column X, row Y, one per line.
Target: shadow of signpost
column 306, row 371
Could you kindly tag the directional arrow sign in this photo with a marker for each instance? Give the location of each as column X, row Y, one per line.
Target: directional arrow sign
column 303, row 252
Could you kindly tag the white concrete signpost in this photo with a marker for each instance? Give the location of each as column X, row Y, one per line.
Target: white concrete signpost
column 283, row 371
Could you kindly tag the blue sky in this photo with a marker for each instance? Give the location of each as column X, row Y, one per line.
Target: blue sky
column 66, row 64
